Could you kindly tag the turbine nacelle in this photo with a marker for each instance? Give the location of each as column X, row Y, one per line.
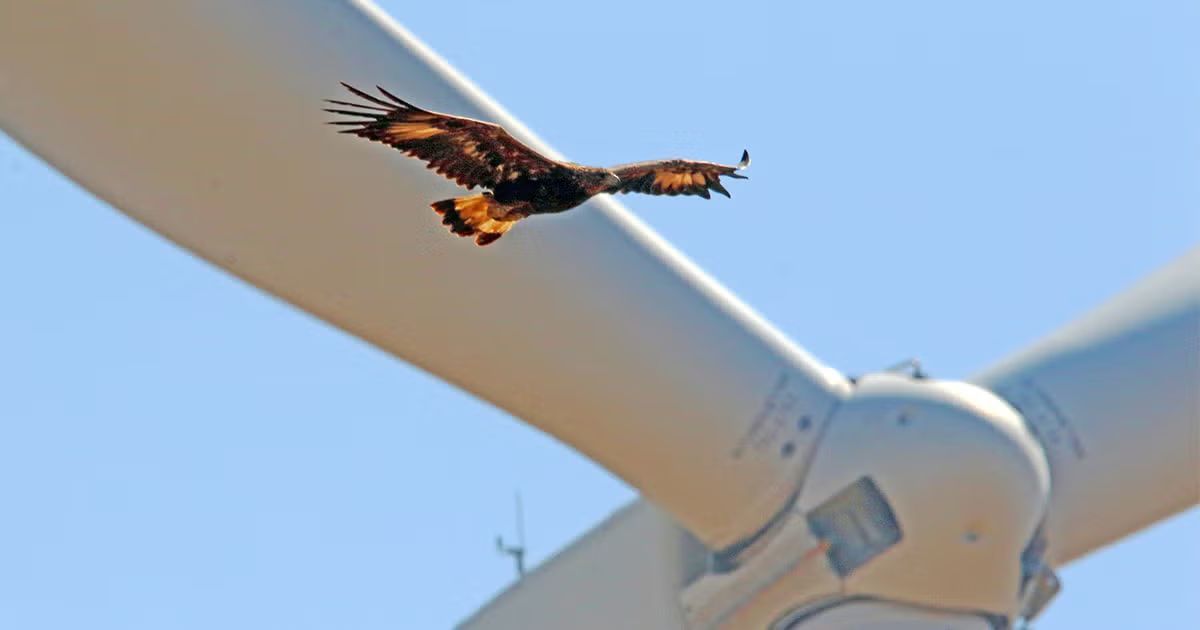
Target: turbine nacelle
column 871, row 507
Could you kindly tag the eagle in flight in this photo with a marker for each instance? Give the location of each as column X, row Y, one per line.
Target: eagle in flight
column 518, row 181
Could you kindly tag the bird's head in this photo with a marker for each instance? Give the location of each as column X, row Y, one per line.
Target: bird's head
column 604, row 181
column 611, row 181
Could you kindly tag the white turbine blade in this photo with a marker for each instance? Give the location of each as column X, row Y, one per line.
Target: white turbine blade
column 202, row 119
column 626, row 572
column 1115, row 399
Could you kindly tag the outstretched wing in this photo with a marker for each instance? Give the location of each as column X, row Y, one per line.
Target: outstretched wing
column 469, row 152
column 677, row 177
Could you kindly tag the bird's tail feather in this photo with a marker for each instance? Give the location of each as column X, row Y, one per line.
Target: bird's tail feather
column 469, row 216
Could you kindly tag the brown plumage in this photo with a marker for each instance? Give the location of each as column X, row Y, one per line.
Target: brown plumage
column 518, row 181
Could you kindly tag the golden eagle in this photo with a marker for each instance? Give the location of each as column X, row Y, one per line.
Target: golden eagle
column 519, row 180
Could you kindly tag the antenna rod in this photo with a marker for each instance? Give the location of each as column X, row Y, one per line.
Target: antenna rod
column 520, row 555
column 516, row 551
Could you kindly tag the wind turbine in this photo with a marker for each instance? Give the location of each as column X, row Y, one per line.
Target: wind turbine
column 784, row 494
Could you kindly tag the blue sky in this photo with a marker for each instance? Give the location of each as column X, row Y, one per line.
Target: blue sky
column 945, row 180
